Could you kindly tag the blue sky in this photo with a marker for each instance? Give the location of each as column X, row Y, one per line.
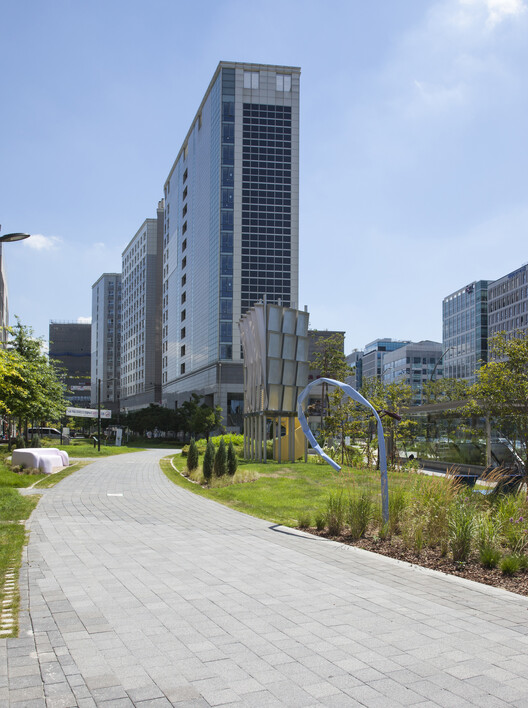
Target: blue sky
column 413, row 143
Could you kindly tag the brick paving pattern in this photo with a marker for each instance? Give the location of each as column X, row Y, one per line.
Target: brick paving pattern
column 135, row 592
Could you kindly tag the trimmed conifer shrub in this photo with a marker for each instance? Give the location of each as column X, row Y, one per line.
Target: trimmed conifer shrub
column 232, row 459
column 192, row 456
column 220, row 461
column 208, row 461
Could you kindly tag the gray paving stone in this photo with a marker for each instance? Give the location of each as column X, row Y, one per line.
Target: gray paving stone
column 162, row 597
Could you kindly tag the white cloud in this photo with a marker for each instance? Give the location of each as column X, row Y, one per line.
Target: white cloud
column 84, row 320
column 43, row 243
column 495, row 10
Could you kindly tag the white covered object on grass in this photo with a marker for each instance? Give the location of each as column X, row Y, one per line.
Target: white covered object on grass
column 45, row 459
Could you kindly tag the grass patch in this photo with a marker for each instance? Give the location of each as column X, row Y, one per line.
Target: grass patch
column 50, row 480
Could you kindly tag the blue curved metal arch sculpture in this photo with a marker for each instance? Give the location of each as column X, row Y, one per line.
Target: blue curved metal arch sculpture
column 352, row 393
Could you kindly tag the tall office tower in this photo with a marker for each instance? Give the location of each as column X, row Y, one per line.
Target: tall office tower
column 70, row 348
column 231, row 228
column 508, row 303
column 106, row 340
column 141, row 316
column 465, row 330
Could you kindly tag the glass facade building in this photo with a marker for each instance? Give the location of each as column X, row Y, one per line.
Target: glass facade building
column 231, row 228
column 141, row 315
column 465, row 330
column 414, row 364
column 508, row 303
column 106, row 340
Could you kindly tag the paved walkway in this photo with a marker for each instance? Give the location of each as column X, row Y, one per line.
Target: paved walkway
column 142, row 594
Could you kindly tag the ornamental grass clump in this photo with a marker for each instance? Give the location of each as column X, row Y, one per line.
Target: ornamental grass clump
column 461, row 526
column 335, row 514
column 320, row 521
column 488, row 540
column 510, row 565
column 304, row 520
column 359, row 513
column 512, row 514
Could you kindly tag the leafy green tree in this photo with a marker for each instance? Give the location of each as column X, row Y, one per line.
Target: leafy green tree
column 199, row 418
column 500, row 393
column 442, row 390
column 232, row 460
column 33, row 389
column 329, row 361
column 220, row 461
column 208, row 461
column 192, row 456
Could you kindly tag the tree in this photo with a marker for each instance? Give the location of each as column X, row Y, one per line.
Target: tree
column 199, row 418
column 33, row 388
column 220, row 461
column 500, row 393
column 232, row 460
column 330, row 362
column 208, row 461
column 192, row 456
column 442, row 390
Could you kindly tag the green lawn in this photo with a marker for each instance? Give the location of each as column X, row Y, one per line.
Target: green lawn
column 283, row 492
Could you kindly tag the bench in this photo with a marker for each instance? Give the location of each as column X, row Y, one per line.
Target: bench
column 46, row 459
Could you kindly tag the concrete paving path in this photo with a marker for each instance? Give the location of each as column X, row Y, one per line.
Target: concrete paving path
column 138, row 593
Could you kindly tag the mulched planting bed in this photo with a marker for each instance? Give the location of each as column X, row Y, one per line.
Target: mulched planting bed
column 431, row 558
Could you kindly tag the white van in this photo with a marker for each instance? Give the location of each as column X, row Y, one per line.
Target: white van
column 44, row 432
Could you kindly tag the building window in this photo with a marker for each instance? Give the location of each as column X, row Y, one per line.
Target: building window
column 186, row 173
column 182, row 333
column 184, row 197
column 251, row 79
column 283, row 82
column 184, row 262
column 183, row 212
column 182, row 350
column 183, row 314
column 183, row 280
column 182, row 368
column 184, row 227
column 183, row 297
column 184, row 245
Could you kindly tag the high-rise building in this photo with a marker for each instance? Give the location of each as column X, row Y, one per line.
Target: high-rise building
column 465, row 330
column 106, row 341
column 414, row 364
column 508, row 303
column 70, row 348
column 231, row 227
column 372, row 359
column 141, row 315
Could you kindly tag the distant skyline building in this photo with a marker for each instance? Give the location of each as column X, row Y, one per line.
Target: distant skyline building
column 372, row 359
column 414, row 363
column 508, row 303
column 231, row 228
column 106, row 340
column 70, row 346
column 465, row 330
column 141, row 315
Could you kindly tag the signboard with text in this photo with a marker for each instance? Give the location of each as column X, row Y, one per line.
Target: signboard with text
column 87, row 413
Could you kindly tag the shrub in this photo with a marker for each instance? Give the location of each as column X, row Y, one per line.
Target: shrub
column 208, row 461
column 304, row 520
column 232, row 460
column 19, row 442
column 461, row 525
column 359, row 513
column 335, row 514
column 489, row 557
column 397, row 505
column 320, row 521
column 192, row 456
column 35, row 441
column 510, row 565
column 220, row 460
